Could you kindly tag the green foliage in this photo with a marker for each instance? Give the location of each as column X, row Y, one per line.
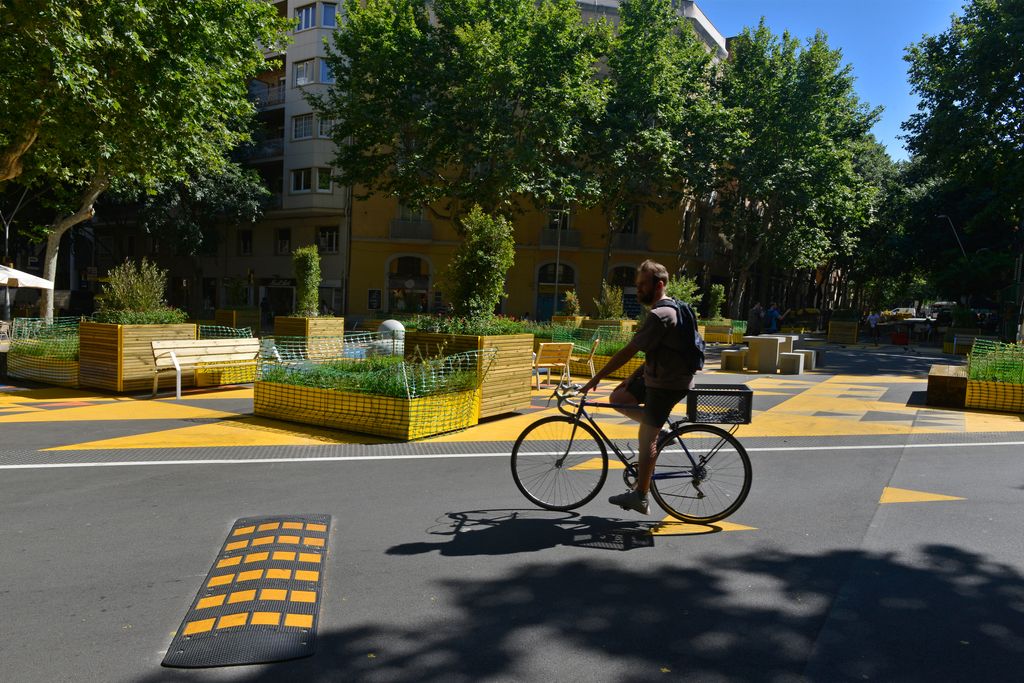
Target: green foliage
column 136, row 288
column 790, row 192
column 189, row 215
column 463, row 103
column 380, row 376
column 653, row 143
column 572, row 303
column 475, row 278
column 850, row 315
column 969, row 128
column 991, row 361
column 716, row 299
column 964, row 317
column 306, row 264
column 609, row 306
column 480, row 325
column 685, row 289
column 159, row 316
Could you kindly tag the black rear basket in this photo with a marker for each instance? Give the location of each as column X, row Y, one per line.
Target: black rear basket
column 720, row 404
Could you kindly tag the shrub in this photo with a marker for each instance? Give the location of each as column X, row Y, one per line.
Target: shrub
column 609, row 306
column 480, row 325
column 134, row 295
column 716, row 299
column 685, row 289
column 572, row 303
column 475, row 278
column 306, row 264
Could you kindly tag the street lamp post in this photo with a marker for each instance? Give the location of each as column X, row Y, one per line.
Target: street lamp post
column 957, row 236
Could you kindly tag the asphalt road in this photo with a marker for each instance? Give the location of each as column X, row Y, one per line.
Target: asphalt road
column 439, row 570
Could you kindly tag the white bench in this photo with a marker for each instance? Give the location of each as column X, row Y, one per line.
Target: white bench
column 186, row 354
column 791, row 363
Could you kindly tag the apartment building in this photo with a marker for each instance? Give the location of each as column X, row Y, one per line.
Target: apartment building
column 380, row 257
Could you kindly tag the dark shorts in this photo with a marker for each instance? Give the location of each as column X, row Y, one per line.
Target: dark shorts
column 657, row 403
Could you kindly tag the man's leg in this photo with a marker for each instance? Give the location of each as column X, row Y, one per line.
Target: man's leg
column 647, row 444
column 630, row 394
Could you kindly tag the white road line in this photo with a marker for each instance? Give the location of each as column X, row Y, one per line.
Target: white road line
column 440, row 456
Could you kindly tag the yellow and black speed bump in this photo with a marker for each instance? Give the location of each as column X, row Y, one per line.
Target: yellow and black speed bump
column 261, row 600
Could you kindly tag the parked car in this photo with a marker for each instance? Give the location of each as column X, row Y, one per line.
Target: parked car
column 902, row 312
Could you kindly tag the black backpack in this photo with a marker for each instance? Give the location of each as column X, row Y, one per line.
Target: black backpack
column 688, row 341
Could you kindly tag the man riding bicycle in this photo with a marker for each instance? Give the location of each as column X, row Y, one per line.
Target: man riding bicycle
column 650, row 394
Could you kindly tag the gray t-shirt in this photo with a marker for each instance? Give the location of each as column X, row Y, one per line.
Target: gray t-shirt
column 664, row 367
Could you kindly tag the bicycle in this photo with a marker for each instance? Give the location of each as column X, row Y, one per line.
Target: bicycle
column 702, row 472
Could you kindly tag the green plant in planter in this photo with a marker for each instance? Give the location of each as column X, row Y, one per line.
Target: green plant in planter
column 475, row 278
column 685, row 289
column 237, row 291
column 716, row 299
column 572, row 303
column 609, row 306
column 134, row 295
column 306, row 263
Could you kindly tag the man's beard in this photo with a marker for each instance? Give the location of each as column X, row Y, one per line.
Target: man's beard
column 647, row 299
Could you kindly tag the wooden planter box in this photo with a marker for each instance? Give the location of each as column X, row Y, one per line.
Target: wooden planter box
column 600, row 361
column 1000, row 396
column 56, row 371
column 506, row 387
column 245, row 317
column 843, row 332
column 219, row 374
column 120, row 357
column 396, row 418
column 295, row 326
column 568, row 320
column 947, row 386
column 593, row 324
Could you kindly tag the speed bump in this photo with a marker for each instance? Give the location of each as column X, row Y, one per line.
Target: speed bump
column 261, row 599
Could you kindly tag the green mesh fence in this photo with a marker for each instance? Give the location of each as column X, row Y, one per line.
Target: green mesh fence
column 223, row 332
column 44, row 350
column 382, row 395
column 992, row 361
column 356, row 345
column 611, row 339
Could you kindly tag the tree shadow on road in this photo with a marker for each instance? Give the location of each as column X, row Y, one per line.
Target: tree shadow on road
column 946, row 614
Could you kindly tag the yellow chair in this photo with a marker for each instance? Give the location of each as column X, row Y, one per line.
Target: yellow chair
column 552, row 356
column 587, row 358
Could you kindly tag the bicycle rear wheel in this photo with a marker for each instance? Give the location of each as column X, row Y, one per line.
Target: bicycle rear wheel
column 556, row 467
column 712, row 485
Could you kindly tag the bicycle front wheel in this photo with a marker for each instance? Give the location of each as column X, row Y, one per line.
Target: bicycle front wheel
column 559, row 463
column 702, row 474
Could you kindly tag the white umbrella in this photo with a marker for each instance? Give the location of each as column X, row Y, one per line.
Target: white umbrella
column 16, row 278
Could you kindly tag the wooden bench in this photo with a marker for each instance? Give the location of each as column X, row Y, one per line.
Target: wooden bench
column 947, row 386
column 186, row 354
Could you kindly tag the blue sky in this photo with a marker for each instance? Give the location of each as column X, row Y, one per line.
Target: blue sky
column 872, row 35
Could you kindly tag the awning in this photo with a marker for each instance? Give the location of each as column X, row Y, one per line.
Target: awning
column 16, row 278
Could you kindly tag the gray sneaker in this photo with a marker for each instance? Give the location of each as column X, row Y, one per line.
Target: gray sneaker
column 631, row 500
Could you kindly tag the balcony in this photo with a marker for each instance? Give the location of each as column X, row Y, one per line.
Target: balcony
column 271, row 96
column 411, row 230
column 550, row 238
column 625, row 241
column 259, row 150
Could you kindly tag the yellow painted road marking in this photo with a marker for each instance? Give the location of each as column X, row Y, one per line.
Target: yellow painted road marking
column 119, row 411
column 212, row 601
column 299, row 620
column 670, row 526
column 231, row 620
column 895, row 495
column 265, row 619
column 279, row 573
column 273, row 594
column 228, row 562
column 201, row 626
column 597, row 463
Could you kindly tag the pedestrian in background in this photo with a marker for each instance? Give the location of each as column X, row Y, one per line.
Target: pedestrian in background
column 754, row 319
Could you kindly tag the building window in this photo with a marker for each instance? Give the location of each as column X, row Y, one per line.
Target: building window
column 546, row 274
column 245, row 242
column 302, row 180
column 329, row 15
column 558, row 219
column 327, row 240
column 302, row 127
column 326, row 75
column 306, row 17
column 410, row 213
column 283, row 244
column 326, row 126
column 323, row 180
column 303, row 72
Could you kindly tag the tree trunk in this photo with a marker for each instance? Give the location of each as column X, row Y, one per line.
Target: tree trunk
column 61, row 225
column 10, row 158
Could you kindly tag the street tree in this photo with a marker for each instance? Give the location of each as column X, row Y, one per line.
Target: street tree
column 969, row 127
column 154, row 90
column 790, row 183
column 651, row 148
column 451, row 104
